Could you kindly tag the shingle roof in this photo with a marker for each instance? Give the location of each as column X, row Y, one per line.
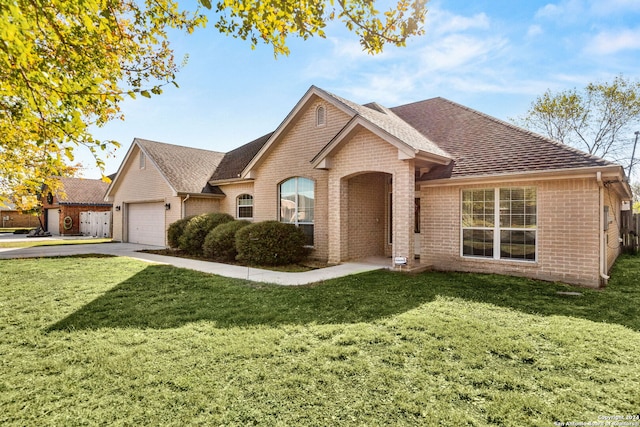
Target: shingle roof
column 388, row 121
column 235, row 161
column 483, row 145
column 186, row 169
column 81, row 191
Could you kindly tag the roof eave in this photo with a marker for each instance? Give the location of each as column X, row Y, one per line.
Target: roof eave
column 608, row 171
column 405, row 151
column 200, row 195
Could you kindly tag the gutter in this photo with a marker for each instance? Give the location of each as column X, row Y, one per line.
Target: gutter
column 601, row 234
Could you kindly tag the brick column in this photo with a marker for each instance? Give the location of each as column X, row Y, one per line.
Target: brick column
column 403, row 212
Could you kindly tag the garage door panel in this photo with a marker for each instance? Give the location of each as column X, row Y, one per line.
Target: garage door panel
column 146, row 223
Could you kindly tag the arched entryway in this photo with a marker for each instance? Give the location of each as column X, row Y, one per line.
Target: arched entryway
column 369, row 215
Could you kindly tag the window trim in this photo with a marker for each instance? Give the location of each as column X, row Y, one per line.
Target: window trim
column 321, row 116
column 496, row 229
column 296, row 221
column 238, row 206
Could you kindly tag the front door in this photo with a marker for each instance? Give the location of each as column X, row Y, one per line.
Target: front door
column 53, row 221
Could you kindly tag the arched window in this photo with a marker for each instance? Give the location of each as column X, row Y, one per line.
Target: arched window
column 321, row 116
column 245, row 206
column 297, row 201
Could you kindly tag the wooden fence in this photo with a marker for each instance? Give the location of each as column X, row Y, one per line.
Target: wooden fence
column 97, row 224
column 631, row 234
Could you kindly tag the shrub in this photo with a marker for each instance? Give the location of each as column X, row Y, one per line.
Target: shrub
column 175, row 230
column 197, row 229
column 220, row 243
column 271, row 243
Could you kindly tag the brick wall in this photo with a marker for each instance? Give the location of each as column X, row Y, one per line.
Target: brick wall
column 199, row 205
column 18, row 219
column 362, row 154
column 141, row 185
column 568, row 232
column 232, row 191
column 367, row 215
column 290, row 157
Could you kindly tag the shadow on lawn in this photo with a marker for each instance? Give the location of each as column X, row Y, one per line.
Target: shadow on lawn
column 166, row 297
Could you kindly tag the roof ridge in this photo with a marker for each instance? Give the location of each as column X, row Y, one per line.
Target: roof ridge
column 177, row 145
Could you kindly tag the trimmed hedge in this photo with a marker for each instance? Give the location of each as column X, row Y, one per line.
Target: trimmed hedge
column 220, row 243
column 175, row 230
column 197, row 229
column 271, row 243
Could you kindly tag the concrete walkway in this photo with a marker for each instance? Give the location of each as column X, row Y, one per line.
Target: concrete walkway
column 131, row 250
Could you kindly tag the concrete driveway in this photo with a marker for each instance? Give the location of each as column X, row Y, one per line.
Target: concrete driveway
column 132, row 250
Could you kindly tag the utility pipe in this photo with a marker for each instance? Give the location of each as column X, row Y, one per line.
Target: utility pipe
column 184, row 207
column 603, row 255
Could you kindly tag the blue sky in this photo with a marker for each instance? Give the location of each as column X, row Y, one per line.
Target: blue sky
column 495, row 56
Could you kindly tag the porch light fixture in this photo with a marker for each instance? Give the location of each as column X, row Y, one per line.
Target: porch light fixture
column 118, row 208
column 167, row 206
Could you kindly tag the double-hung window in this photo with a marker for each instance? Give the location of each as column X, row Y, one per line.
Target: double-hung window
column 245, row 206
column 500, row 223
column 297, row 201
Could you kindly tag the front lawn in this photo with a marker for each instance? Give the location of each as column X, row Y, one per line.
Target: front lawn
column 115, row 341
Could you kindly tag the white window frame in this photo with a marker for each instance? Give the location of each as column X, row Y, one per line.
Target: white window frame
column 497, row 228
column 238, row 205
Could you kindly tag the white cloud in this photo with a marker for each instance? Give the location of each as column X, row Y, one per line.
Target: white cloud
column 609, row 42
column 611, row 7
column 534, row 30
column 565, row 10
column 453, row 52
column 441, row 22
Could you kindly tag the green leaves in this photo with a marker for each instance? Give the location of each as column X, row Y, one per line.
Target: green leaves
column 599, row 119
column 65, row 66
column 273, row 21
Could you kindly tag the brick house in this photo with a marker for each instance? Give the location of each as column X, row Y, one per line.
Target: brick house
column 432, row 183
column 63, row 211
column 13, row 218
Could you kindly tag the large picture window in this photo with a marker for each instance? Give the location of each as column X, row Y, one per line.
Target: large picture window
column 297, row 201
column 500, row 223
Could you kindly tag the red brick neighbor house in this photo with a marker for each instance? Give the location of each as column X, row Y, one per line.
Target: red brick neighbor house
column 432, row 183
column 78, row 208
column 13, row 218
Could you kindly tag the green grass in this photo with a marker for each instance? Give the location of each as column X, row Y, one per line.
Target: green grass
column 31, row 242
column 114, row 341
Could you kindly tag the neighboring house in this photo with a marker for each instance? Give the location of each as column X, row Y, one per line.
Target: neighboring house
column 78, row 207
column 13, row 218
column 432, row 183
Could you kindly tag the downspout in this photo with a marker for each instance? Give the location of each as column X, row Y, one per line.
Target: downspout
column 603, row 258
column 184, row 208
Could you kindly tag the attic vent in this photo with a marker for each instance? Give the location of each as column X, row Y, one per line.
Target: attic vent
column 143, row 160
column 321, row 116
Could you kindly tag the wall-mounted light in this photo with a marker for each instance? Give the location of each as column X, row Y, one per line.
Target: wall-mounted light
column 118, row 208
column 167, row 206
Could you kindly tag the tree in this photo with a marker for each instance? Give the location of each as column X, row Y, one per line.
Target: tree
column 67, row 65
column 598, row 119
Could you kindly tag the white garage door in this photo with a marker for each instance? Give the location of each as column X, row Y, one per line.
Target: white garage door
column 53, row 221
column 146, row 223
